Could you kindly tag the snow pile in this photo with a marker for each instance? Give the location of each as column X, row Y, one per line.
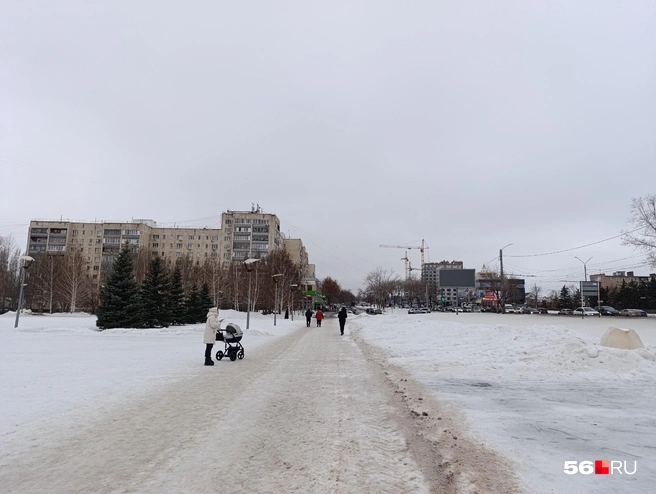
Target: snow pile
column 497, row 351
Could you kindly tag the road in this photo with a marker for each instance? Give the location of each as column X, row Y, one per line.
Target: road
column 312, row 411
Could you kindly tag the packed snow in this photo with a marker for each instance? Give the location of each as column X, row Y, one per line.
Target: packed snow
column 538, row 390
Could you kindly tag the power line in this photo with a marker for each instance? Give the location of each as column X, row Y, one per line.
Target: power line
column 576, row 248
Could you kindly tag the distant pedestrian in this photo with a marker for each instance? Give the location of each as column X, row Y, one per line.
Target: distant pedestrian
column 286, row 313
column 319, row 318
column 342, row 319
column 308, row 317
column 212, row 325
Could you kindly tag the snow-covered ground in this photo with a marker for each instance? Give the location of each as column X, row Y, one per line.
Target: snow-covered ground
column 538, row 389
column 62, row 368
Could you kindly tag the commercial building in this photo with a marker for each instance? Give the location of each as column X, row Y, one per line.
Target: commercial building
column 615, row 280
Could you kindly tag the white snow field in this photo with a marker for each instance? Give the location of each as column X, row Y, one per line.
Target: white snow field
column 538, row 389
column 402, row 403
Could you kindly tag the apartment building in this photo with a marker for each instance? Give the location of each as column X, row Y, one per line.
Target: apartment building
column 615, row 280
column 243, row 234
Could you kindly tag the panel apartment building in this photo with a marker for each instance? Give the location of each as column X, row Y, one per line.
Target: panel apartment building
column 243, row 234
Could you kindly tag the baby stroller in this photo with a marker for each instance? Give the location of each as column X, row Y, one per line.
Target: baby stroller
column 231, row 338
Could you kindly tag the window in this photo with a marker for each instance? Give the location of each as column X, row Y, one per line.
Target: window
column 215, row 238
column 99, row 240
column 163, row 237
column 227, row 256
column 191, row 237
column 242, row 229
column 110, row 241
column 131, row 232
column 178, row 246
column 190, row 246
column 162, row 254
column 228, row 230
column 75, row 233
column 98, row 250
column 260, row 246
column 74, row 240
column 179, row 237
column 116, row 233
column 90, row 241
column 228, row 222
column 198, row 237
column 226, row 238
column 156, row 237
column 178, row 254
column 95, row 276
column 207, row 237
column 239, row 237
column 96, row 268
column 155, row 245
column 215, row 246
column 96, row 259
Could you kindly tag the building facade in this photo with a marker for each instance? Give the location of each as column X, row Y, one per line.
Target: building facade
column 243, row 234
column 615, row 280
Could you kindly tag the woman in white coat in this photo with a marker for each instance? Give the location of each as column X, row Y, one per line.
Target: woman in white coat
column 212, row 325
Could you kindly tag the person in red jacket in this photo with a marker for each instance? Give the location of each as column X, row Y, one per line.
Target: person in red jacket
column 319, row 318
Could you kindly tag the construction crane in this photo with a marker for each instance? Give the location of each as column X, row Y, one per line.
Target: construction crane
column 421, row 248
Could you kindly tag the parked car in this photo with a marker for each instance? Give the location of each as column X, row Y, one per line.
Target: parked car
column 606, row 310
column 542, row 310
column 633, row 313
column 509, row 309
column 530, row 310
column 586, row 311
column 565, row 312
column 420, row 310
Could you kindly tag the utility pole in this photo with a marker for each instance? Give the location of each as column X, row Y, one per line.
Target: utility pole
column 503, row 285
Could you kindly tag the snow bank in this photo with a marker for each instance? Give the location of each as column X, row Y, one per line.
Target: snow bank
column 620, row 338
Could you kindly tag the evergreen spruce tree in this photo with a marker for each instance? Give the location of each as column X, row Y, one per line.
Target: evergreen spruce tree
column 155, row 309
column 119, row 305
column 176, row 298
column 565, row 299
column 191, row 306
column 205, row 302
column 576, row 299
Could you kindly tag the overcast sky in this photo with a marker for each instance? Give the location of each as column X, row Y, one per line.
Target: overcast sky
column 470, row 124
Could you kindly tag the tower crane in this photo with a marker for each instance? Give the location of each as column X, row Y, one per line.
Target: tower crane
column 421, row 248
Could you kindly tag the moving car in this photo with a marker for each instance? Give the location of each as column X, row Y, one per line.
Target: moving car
column 606, row 310
column 529, row 310
column 565, row 312
column 509, row 309
column 633, row 313
column 586, row 311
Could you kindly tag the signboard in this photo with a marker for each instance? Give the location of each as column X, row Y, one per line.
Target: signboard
column 490, row 295
column 589, row 288
column 457, row 278
column 311, row 292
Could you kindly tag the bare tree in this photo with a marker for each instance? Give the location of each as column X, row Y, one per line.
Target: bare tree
column 43, row 286
column 9, row 270
column 380, row 284
column 74, row 279
column 643, row 217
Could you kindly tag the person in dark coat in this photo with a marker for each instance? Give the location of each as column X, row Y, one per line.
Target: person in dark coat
column 342, row 319
column 286, row 313
column 308, row 317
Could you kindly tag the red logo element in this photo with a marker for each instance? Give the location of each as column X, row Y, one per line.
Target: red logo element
column 601, row 467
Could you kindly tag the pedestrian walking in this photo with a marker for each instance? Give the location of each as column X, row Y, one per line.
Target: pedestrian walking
column 319, row 318
column 286, row 313
column 342, row 319
column 308, row 317
column 212, row 325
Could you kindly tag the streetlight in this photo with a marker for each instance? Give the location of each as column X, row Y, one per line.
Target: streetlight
column 503, row 289
column 585, row 278
column 25, row 261
column 291, row 296
column 248, row 264
column 275, row 277
column 585, row 267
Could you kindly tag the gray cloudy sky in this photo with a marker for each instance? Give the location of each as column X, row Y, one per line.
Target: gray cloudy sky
column 471, row 124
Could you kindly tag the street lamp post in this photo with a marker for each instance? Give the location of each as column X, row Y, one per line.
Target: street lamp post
column 25, row 261
column 275, row 277
column 248, row 263
column 503, row 285
column 585, row 278
column 291, row 297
